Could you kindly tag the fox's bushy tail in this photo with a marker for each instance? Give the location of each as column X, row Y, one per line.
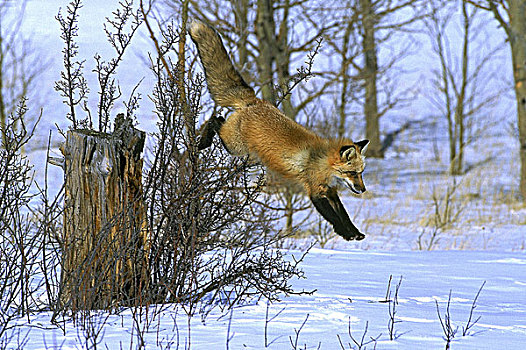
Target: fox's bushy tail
column 227, row 87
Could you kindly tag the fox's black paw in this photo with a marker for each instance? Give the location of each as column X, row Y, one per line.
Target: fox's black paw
column 354, row 236
column 359, row 236
column 207, row 134
column 212, row 127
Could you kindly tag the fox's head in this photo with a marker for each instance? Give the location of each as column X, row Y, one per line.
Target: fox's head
column 351, row 164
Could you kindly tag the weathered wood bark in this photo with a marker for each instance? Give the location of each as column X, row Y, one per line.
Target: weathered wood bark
column 104, row 245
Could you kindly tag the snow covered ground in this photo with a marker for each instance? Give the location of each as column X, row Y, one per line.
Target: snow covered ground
column 484, row 243
column 350, row 291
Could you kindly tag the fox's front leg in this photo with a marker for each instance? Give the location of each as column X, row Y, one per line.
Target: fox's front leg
column 331, row 208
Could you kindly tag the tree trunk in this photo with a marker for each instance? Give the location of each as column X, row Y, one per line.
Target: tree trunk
column 517, row 36
column 342, row 110
column 265, row 27
column 282, row 58
column 104, row 244
column 457, row 159
column 370, row 71
column 3, row 112
column 241, row 14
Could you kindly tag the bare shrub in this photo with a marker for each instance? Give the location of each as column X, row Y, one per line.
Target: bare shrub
column 210, row 243
column 19, row 245
column 21, row 64
column 471, row 322
column 294, row 340
column 393, row 303
column 446, row 210
column 361, row 342
column 449, row 330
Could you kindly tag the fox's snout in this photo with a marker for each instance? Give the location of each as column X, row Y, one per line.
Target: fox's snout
column 356, row 187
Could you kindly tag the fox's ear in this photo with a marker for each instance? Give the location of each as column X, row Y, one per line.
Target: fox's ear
column 347, row 152
column 362, row 145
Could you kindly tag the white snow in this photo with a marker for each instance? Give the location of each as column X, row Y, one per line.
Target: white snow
column 349, row 287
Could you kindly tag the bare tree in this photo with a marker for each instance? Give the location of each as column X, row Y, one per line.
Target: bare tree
column 511, row 16
column 341, row 83
column 462, row 96
column 379, row 22
column 345, row 47
column 358, row 32
column 19, row 66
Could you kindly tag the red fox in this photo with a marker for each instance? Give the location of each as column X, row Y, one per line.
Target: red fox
column 258, row 129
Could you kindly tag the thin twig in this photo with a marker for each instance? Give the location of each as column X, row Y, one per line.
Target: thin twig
column 470, row 324
column 155, row 41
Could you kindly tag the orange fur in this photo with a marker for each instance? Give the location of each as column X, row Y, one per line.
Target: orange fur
column 290, row 150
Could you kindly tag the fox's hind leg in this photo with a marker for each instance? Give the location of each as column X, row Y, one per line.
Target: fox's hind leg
column 212, row 127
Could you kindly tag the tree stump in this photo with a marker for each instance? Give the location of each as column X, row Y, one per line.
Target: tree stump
column 104, row 243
